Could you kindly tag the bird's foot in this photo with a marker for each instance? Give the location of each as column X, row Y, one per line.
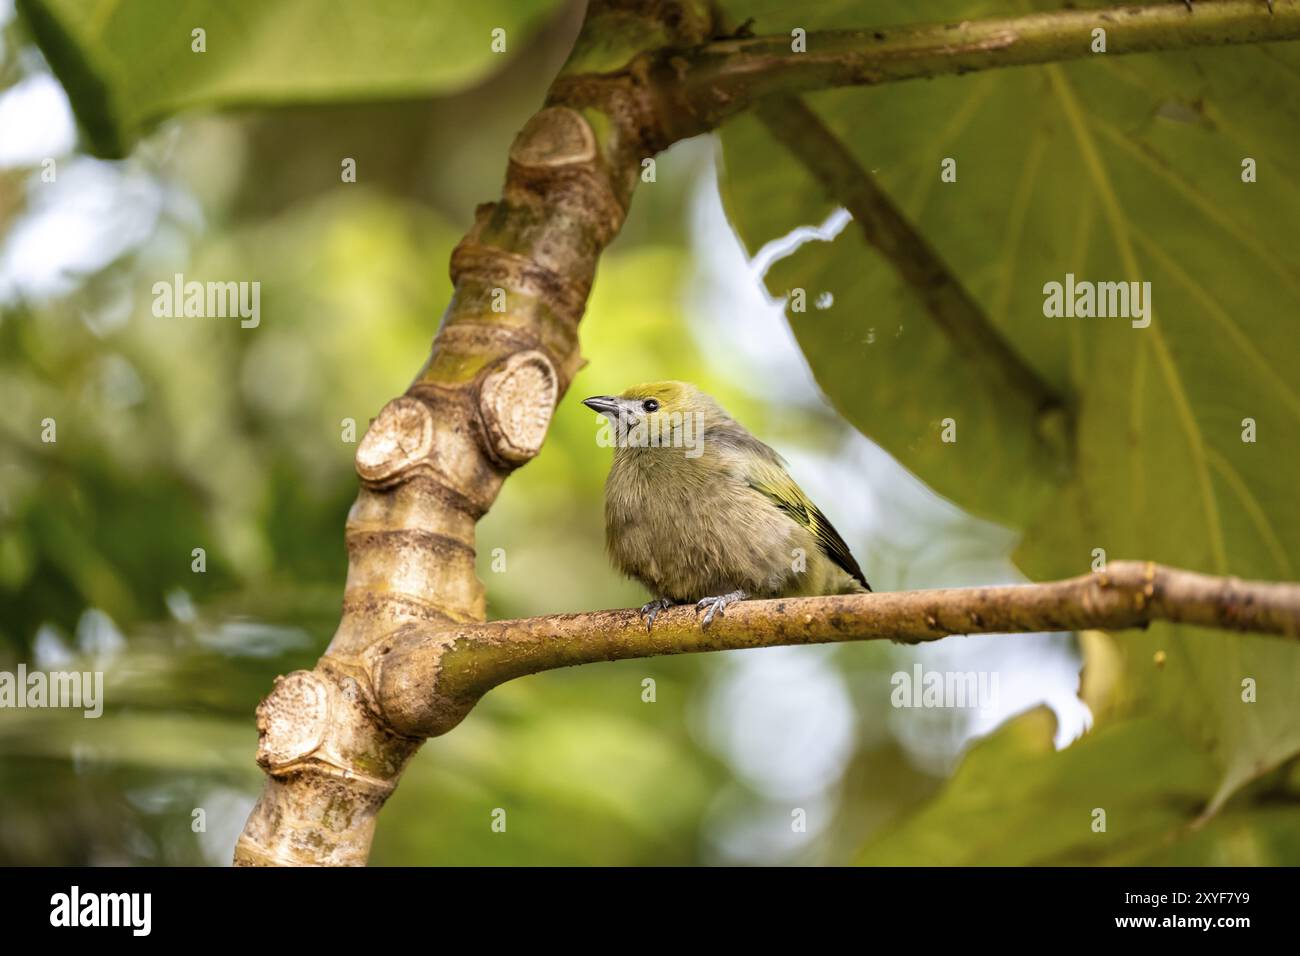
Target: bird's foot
column 717, row 605
column 653, row 608
column 742, row 32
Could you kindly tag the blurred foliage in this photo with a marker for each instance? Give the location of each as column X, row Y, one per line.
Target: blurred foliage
column 128, row 65
column 1138, row 784
column 175, row 434
column 1109, row 169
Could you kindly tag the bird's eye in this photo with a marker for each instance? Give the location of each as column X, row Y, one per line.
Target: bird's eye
column 650, row 405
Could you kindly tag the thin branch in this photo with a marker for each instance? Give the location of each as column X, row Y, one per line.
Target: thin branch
column 429, row 678
column 885, row 227
column 717, row 80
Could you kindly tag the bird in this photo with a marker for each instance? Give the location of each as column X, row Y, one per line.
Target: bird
column 700, row 511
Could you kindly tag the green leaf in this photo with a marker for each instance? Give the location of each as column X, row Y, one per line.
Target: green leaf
column 1122, row 795
column 129, row 65
column 1111, row 169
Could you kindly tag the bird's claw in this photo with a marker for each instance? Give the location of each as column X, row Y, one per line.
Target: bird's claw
column 742, row 32
column 652, row 609
column 717, row 605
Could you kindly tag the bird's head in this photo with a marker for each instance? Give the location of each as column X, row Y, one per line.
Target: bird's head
column 657, row 413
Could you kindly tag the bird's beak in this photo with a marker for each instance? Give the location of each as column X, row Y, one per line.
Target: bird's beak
column 605, row 404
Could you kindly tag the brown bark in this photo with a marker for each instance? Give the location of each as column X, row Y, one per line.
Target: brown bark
column 429, row 678
column 718, row 80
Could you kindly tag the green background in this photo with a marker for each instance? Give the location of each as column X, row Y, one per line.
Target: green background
column 175, row 434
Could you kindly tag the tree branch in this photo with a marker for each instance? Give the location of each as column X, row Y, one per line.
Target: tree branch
column 434, row 460
column 713, row 82
column 429, row 678
column 953, row 309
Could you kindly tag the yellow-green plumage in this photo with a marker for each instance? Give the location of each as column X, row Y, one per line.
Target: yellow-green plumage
column 719, row 517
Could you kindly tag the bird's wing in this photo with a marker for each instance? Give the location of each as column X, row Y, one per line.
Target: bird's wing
column 767, row 476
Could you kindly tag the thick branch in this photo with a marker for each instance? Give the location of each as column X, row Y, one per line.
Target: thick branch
column 435, row 458
column 953, row 309
column 714, row 82
column 407, row 660
column 430, row 678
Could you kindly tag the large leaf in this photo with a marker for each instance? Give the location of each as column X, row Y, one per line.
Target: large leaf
column 129, row 63
column 1121, row 796
column 1111, row 169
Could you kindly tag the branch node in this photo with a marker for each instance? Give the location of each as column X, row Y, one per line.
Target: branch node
column 291, row 720
column 396, row 441
column 557, row 136
column 409, row 684
column 516, row 401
